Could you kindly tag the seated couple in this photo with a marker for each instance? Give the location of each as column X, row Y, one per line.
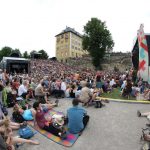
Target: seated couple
column 27, row 114
column 87, row 96
column 76, row 119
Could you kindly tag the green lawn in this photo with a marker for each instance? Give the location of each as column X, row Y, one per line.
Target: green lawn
column 116, row 95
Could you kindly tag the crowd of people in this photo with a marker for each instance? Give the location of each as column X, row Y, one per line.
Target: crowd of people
column 51, row 78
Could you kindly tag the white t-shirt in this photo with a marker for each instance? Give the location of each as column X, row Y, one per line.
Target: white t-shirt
column 63, row 86
column 22, row 89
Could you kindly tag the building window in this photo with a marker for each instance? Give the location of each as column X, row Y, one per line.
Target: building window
column 67, row 46
column 62, row 36
column 72, row 54
column 66, row 36
column 57, row 48
column 58, row 39
column 72, row 47
column 72, row 41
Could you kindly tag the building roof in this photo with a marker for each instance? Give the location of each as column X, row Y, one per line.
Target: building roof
column 13, row 58
column 68, row 29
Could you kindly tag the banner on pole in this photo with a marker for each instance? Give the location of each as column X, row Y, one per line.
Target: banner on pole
column 143, row 55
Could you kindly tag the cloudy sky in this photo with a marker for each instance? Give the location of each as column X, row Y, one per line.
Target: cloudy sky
column 32, row 24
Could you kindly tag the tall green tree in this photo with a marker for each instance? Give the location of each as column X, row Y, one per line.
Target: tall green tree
column 16, row 51
column 5, row 52
column 97, row 40
column 44, row 54
column 26, row 55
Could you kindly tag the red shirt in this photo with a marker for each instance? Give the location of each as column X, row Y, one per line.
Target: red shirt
column 15, row 85
column 40, row 119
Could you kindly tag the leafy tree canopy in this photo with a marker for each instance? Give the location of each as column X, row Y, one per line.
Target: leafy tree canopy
column 16, row 52
column 44, row 54
column 97, row 40
column 26, row 55
column 5, row 52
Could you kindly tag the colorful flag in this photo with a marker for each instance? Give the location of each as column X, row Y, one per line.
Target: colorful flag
column 143, row 55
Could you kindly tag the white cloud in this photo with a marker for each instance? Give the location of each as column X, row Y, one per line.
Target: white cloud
column 33, row 24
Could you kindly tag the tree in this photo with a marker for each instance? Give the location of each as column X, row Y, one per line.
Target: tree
column 5, row 52
column 26, row 55
column 97, row 40
column 16, row 53
column 43, row 55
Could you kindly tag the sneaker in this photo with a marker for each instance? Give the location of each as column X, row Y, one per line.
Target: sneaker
column 146, row 146
column 105, row 101
column 102, row 105
column 147, row 124
column 138, row 113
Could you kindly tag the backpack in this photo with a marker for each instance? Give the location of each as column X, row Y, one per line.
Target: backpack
column 98, row 104
column 10, row 102
column 25, row 132
column 7, row 98
column 17, row 117
column 4, row 109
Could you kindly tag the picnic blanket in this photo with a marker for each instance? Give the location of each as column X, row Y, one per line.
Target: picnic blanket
column 68, row 142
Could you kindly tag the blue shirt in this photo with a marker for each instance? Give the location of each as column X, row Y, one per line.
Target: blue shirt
column 75, row 119
column 27, row 115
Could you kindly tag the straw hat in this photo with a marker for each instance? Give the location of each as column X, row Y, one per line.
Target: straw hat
column 58, row 119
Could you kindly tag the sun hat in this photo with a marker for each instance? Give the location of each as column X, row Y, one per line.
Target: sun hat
column 58, row 119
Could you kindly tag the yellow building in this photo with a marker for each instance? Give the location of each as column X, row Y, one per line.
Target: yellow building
column 68, row 44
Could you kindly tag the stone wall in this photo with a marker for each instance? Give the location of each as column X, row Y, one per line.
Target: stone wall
column 121, row 61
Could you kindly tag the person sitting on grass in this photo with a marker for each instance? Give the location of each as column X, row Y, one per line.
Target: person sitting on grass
column 77, row 117
column 54, row 126
column 85, row 94
column 128, row 89
column 23, row 90
column 147, row 94
column 41, row 93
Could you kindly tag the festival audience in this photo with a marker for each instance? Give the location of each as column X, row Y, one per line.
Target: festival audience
column 48, row 78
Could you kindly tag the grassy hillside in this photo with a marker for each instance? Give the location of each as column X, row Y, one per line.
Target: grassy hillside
column 116, row 94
